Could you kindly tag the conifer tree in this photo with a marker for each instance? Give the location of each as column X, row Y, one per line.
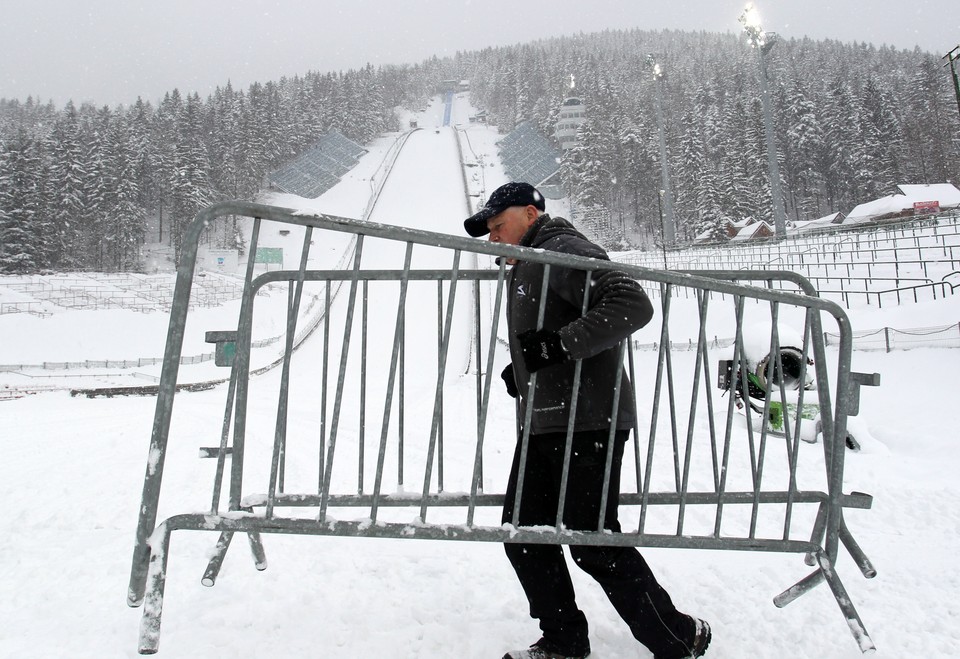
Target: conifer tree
column 802, row 146
column 124, row 217
column 68, row 198
column 192, row 189
column 21, row 209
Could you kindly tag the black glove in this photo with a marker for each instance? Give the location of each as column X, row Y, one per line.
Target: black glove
column 541, row 348
column 509, row 381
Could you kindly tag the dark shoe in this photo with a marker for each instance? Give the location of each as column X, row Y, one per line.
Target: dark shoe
column 698, row 646
column 539, row 651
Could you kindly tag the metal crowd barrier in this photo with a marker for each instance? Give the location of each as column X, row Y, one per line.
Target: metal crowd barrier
column 707, row 476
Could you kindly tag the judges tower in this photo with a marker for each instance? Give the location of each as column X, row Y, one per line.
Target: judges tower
column 572, row 114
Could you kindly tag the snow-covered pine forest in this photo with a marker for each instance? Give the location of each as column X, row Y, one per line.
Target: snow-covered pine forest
column 81, row 187
column 851, row 121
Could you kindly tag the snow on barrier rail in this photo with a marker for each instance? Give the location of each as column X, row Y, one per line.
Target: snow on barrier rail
column 707, row 476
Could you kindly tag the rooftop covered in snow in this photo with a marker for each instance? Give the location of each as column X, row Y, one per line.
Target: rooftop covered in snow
column 912, row 198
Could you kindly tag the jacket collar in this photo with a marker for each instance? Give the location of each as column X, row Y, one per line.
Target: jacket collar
column 547, row 227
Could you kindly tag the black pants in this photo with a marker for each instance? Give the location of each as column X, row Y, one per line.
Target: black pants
column 621, row 571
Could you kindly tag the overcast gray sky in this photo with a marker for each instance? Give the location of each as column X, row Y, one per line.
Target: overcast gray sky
column 112, row 51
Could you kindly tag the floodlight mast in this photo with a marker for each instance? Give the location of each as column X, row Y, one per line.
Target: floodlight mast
column 668, row 228
column 953, row 56
column 763, row 42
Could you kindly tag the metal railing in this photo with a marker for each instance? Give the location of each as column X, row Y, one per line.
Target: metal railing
column 94, row 291
column 891, row 338
column 707, row 476
column 35, row 308
column 927, row 247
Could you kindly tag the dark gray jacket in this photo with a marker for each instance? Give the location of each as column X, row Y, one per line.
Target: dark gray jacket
column 617, row 307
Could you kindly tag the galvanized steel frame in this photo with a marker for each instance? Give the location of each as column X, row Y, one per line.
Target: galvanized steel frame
column 151, row 551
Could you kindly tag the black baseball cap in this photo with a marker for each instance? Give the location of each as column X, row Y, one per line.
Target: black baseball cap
column 507, row 195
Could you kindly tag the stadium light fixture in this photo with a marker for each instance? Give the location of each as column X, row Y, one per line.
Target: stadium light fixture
column 752, row 25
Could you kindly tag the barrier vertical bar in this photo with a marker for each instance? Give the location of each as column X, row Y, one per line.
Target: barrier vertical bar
column 363, row 387
column 436, row 431
column 793, row 447
column 728, row 432
column 572, row 417
column 834, row 424
column 708, row 391
column 236, row 405
column 341, row 379
column 632, row 371
column 476, row 482
column 391, row 381
column 611, row 441
column 691, row 420
column 401, row 398
column 234, row 370
column 440, row 339
column 665, row 298
column 528, row 412
column 277, row 467
column 164, row 408
column 477, row 333
column 325, row 381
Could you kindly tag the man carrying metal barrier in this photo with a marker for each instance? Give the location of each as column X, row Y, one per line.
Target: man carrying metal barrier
column 567, row 331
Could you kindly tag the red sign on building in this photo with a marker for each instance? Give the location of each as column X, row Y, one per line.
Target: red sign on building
column 926, row 206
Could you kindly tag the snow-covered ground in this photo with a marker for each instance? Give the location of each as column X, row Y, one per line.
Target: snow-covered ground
column 71, row 473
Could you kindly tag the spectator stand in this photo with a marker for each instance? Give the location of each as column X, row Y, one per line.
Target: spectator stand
column 527, row 155
column 317, row 169
column 133, row 291
column 882, row 264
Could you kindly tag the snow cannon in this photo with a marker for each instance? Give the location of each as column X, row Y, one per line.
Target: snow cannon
column 778, row 385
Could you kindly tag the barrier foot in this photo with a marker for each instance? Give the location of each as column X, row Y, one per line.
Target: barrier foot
column 866, row 567
column 846, row 606
column 138, row 583
column 216, row 561
column 256, row 547
column 816, row 536
column 153, row 600
column 793, row 592
column 138, row 574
